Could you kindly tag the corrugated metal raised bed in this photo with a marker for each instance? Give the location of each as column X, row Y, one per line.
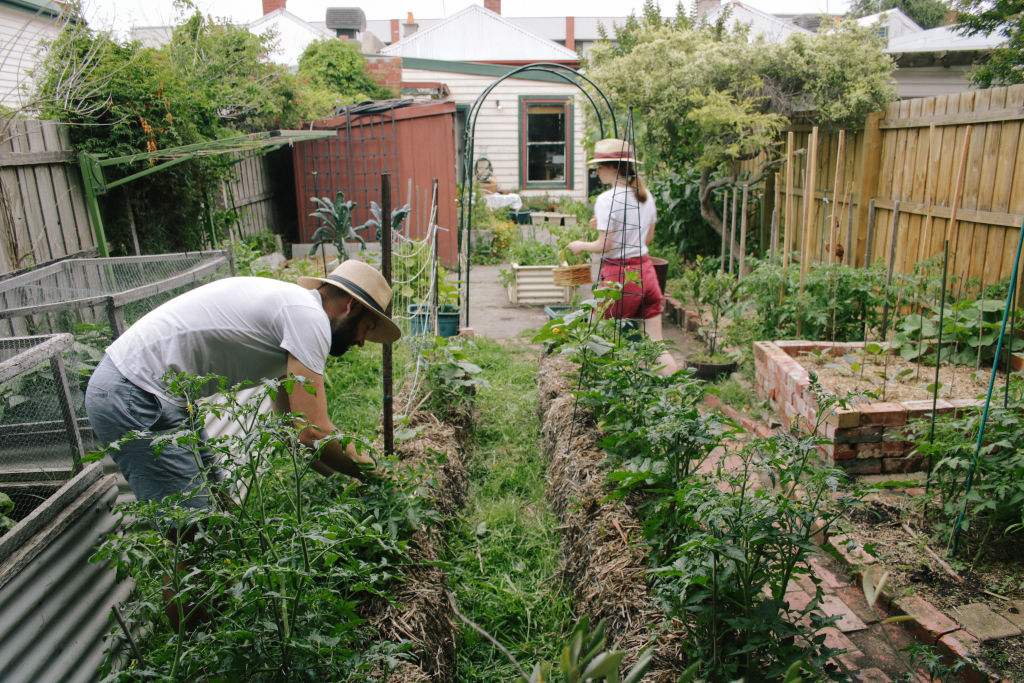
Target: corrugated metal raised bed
column 54, row 603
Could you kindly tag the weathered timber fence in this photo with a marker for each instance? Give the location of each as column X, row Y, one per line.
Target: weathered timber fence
column 42, row 207
column 909, row 154
column 43, row 214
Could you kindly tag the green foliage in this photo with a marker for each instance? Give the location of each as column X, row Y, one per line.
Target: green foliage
column 838, row 302
column 1005, row 64
column 714, row 291
column 970, row 333
column 6, row 508
column 586, row 659
column 212, row 80
column 452, row 379
column 336, row 70
column 681, row 228
column 724, row 544
column 505, row 562
column 281, row 563
column 705, row 95
column 996, row 500
column 925, row 13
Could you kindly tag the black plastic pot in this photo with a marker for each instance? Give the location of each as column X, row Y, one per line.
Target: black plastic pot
column 710, row 371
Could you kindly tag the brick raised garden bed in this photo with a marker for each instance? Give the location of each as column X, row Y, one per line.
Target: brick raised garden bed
column 867, row 438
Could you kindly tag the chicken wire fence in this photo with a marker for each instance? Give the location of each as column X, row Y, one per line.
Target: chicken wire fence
column 101, row 292
column 41, row 393
column 55, row 323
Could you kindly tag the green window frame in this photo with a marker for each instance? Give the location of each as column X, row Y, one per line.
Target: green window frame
column 545, row 142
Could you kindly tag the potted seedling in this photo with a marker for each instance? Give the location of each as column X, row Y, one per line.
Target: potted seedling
column 713, row 292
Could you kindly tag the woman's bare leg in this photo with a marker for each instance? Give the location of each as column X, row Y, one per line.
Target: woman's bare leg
column 666, row 363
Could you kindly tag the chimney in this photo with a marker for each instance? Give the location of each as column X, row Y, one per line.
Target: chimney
column 570, row 32
column 493, row 5
column 409, row 27
column 271, row 5
column 395, row 35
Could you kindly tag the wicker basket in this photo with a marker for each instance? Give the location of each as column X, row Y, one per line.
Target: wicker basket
column 571, row 276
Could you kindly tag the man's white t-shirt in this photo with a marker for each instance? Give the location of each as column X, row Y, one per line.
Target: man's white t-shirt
column 240, row 328
column 626, row 220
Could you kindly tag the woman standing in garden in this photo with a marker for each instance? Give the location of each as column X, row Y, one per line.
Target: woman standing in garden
column 624, row 216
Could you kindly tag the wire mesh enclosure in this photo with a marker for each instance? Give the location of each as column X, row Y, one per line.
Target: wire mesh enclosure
column 41, row 443
column 111, row 293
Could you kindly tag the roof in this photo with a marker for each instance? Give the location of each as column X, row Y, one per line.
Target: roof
column 943, row 39
column 897, row 23
column 478, row 35
column 44, row 7
column 292, row 32
column 762, row 25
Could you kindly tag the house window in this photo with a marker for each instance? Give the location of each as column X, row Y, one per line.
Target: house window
column 546, row 143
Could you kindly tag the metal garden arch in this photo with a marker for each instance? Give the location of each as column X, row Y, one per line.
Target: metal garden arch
column 568, row 75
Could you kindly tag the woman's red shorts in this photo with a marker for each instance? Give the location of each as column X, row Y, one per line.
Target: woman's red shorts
column 640, row 300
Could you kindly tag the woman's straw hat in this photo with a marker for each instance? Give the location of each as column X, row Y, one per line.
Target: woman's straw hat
column 364, row 283
column 613, row 151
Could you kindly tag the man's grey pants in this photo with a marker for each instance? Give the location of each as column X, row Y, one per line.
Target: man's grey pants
column 117, row 407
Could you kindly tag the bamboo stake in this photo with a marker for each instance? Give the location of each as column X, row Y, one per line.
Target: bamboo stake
column 835, row 198
column 789, row 223
column 892, row 259
column 849, row 223
column 725, row 222
column 809, row 191
column 956, row 195
column 732, row 231
column 743, row 232
column 871, row 234
column 774, row 220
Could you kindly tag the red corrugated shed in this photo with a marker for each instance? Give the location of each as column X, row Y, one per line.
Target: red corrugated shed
column 414, row 142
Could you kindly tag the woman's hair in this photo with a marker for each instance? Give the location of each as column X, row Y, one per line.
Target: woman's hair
column 628, row 171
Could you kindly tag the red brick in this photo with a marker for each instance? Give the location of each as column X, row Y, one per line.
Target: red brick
column 859, row 466
column 884, row 413
column 929, row 624
column 865, row 434
column 902, row 465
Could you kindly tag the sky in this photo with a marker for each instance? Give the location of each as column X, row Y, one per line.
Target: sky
column 119, row 15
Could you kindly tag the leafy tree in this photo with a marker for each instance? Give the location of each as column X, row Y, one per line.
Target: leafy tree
column 712, row 98
column 337, row 72
column 213, row 80
column 925, row 13
column 1005, row 65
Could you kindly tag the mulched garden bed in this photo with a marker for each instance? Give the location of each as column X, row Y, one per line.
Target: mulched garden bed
column 420, row 611
column 891, row 528
column 603, row 560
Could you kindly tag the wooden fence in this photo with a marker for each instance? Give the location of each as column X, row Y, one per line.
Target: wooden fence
column 910, row 154
column 43, row 214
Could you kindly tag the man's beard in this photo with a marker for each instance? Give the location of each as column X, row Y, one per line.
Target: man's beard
column 343, row 335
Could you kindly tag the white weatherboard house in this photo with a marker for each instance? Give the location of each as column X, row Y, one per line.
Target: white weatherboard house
column 530, row 128
column 24, row 24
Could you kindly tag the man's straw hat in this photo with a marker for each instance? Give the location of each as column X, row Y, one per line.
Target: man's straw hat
column 368, row 287
column 613, row 151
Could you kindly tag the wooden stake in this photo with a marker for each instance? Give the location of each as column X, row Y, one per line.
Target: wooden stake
column 775, row 219
column 956, row 194
column 870, row 235
column 835, row 198
column 725, row 222
column 743, row 232
column 732, row 231
column 809, row 192
column 789, row 222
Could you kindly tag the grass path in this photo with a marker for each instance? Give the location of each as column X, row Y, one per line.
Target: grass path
column 504, row 554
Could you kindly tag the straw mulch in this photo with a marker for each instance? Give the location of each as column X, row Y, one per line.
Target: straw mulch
column 420, row 612
column 602, row 547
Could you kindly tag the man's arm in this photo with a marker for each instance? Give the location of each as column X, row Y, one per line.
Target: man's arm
column 317, row 423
